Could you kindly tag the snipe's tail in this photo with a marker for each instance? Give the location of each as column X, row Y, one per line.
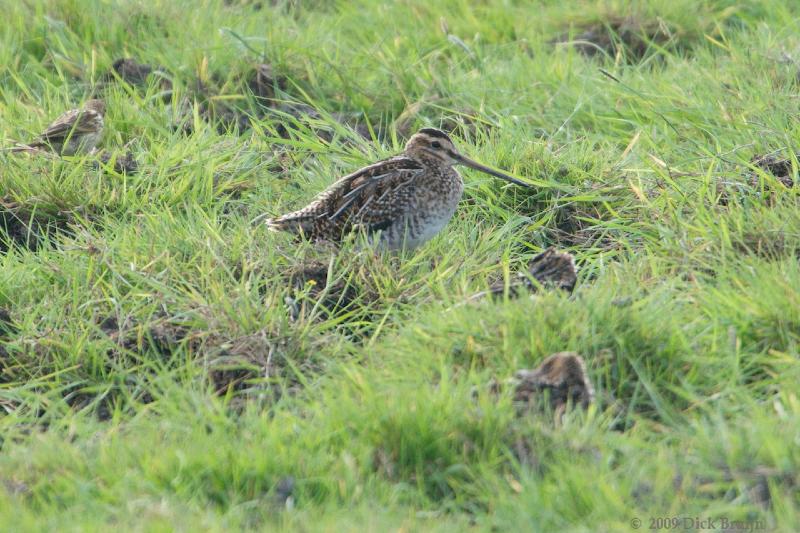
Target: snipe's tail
column 289, row 222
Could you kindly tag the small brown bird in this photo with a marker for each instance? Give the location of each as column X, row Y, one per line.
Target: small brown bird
column 551, row 268
column 76, row 131
column 404, row 200
column 563, row 374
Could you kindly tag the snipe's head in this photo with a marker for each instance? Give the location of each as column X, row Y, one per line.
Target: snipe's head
column 96, row 105
column 432, row 144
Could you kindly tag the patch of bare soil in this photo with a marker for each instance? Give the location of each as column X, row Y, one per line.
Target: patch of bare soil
column 139, row 75
column 211, row 96
column 255, row 5
column 729, row 190
column 780, row 167
column 578, row 226
column 465, row 123
column 27, row 228
column 751, row 484
column 262, row 82
column 331, row 298
column 247, row 366
column 630, row 37
column 773, row 164
column 164, row 336
column 123, row 162
column 291, row 116
column 222, row 115
column 161, row 336
column 251, row 365
column 7, row 328
column 770, row 245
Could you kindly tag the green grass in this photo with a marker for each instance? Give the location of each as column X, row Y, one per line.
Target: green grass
column 154, row 378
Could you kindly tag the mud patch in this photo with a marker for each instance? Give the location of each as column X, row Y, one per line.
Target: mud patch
column 7, row 329
column 7, row 326
column 729, row 191
column 28, row 228
column 224, row 117
column 139, row 75
column 312, row 286
column 770, row 245
column 294, row 116
column 779, row 167
column 211, row 97
column 287, row 114
column 255, row 5
column 463, row 122
column 580, row 226
column 219, row 100
column 629, row 37
column 246, row 365
column 162, row 336
column 749, row 484
column 466, row 123
column 122, row 162
column 262, row 82
column 14, row 487
column 229, row 365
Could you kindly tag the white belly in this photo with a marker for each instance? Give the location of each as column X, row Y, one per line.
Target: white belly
column 429, row 229
column 425, row 216
column 417, row 228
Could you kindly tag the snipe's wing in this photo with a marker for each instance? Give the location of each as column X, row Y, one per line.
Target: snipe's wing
column 371, row 197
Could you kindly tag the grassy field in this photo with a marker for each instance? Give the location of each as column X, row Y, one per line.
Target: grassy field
column 165, row 365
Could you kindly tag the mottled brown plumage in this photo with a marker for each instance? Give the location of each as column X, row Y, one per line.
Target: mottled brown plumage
column 563, row 375
column 551, row 269
column 76, row 131
column 406, row 199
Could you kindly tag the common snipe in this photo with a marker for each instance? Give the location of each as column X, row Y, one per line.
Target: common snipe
column 563, row 374
column 406, row 199
column 76, row 131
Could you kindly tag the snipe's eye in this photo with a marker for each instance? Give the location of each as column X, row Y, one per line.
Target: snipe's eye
column 436, row 144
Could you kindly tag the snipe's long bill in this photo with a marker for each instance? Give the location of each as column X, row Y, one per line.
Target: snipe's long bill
column 402, row 201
